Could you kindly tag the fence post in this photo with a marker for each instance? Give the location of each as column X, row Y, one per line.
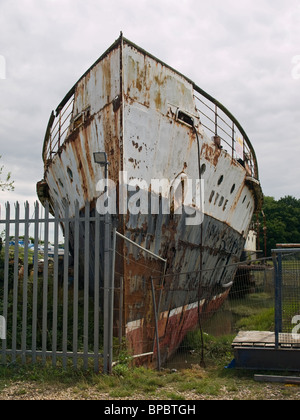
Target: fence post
column 15, row 283
column 96, row 292
column 55, row 285
column 35, row 282
column 25, row 285
column 277, row 260
column 156, row 326
column 106, row 269
column 76, row 284
column 6, row 276
column 45, row 283
column 121, row 312
column 111, row 303
column 65, row 286
column 86, row 281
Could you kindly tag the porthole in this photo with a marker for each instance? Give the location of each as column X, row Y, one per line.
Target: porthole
column 221, row 201
column 211, row 196
column 70, row 173
column 220, row 180
column 232, row 189
column 202, row 169
column 244, row 199
column 60, row 183
column 224, row 207
column 217, row 198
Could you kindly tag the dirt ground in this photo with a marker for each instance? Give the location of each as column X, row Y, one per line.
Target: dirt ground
column 34, row 391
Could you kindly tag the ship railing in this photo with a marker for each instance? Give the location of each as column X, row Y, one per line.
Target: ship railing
column 58, row 127
column 226, row 131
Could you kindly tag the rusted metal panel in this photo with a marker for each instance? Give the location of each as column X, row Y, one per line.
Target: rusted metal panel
column 157, row 146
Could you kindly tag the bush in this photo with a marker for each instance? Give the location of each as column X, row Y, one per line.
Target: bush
column 214, row 347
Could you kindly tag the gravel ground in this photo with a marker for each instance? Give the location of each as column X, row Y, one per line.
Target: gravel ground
column 34, row 391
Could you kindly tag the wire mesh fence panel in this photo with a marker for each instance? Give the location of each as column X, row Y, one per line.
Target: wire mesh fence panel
column 249, row 305
column 136, row 301
column 161, row 318
column 154, row 310
column 287, row 318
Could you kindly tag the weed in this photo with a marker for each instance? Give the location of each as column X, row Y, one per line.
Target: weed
column 215, row 348
column 263, row 321
column 175, row 396
column 140, row 383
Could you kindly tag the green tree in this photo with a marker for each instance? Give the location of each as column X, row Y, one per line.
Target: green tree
column 6, row 184
column 282, row 221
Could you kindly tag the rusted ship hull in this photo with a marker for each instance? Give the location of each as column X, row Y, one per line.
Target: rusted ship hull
column 185, row 296
column 153, row 123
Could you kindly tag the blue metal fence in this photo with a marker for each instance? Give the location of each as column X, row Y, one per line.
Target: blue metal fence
column 287, row 296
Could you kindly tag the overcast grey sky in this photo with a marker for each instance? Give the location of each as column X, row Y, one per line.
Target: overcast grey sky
column 245, row 53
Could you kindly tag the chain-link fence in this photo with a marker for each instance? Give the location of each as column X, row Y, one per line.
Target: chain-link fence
column 163, row 319
column 136, row 300
column 287, row 302
column 248, row 306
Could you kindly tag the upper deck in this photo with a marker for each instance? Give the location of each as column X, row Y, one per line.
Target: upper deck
column 214, row 117
column 81, row 103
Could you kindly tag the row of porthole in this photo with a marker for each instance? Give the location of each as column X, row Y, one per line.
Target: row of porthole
column 222, row 198
column 222, row 201
column 220, row 180
column 203, row 169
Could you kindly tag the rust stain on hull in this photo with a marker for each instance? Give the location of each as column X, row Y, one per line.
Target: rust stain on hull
column 211, row 153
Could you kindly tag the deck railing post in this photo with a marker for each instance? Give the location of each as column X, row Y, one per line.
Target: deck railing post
column 216, row 120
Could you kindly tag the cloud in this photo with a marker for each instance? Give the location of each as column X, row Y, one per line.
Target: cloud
column 239, row 52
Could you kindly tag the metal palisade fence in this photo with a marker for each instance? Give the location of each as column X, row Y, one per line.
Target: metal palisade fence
column 50, row 297
column 61, row 294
